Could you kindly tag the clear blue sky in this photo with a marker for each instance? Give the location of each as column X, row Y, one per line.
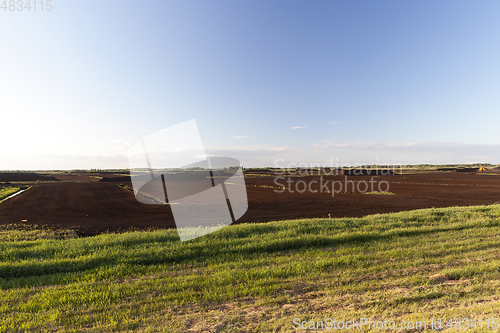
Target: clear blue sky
column 302, row 81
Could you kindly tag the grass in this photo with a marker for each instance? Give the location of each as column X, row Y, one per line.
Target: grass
column 413, row 265
column 380, row 193
column 8, row 191
column 27, row 232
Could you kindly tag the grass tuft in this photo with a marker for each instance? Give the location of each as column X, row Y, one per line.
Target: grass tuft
column 381, row 193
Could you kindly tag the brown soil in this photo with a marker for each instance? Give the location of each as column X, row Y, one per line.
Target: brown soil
column 87, row 207
column 117, row 179
column 91, row 206
column 24, row 177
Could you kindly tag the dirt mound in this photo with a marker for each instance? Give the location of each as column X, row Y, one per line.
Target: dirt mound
column 119, row 179
column 468, row 170
column 25, row 177
column 258, row 171
column 107, row 173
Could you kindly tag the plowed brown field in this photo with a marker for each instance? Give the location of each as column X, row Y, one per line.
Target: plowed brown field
column 84, row 203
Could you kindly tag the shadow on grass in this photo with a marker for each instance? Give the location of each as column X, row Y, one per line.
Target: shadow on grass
column 114, row 259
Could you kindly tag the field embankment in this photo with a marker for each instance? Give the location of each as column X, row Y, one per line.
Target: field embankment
column 256, row 277
column 6, row 192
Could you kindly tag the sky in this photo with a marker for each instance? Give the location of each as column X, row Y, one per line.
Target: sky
column 268, row 82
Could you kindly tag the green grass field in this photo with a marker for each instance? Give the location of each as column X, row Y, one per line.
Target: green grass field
column 8, row 191
column 414, row 265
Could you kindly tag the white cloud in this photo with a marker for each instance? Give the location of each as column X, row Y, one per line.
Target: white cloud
column 363, row 152
column 114, row 155
column 53, row 161
column 410, row 146
column 299, row 127
column 240, row 136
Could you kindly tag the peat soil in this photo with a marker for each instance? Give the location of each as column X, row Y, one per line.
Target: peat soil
column 90, row 205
